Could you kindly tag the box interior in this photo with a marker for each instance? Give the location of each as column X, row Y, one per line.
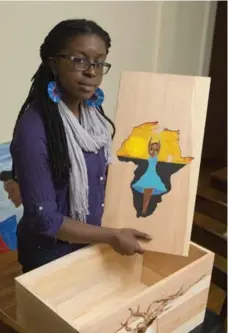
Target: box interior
column 101, row 280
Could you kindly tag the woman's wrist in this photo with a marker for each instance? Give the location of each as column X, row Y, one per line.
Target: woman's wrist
column 110, row 234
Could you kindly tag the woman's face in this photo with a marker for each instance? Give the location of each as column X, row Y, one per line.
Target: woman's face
column 77, row 84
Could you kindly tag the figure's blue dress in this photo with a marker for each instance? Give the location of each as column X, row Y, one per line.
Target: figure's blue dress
column 150, row 179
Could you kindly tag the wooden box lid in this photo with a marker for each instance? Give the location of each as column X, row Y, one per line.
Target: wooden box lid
column 153, row 179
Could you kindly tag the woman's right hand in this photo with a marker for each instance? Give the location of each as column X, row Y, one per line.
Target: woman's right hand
column 125, row 241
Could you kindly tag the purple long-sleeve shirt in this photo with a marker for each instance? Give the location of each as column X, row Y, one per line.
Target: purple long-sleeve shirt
column 44, row 205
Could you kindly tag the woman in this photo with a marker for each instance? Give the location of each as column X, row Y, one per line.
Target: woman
column 61, row 149
column 150, row 183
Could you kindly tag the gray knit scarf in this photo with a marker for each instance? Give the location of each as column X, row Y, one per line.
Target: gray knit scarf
column 89, row 136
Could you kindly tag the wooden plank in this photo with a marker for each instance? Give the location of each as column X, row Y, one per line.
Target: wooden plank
column 145, row 99
column 163, row 266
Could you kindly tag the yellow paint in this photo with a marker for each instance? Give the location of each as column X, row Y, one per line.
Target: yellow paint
column 136, row 145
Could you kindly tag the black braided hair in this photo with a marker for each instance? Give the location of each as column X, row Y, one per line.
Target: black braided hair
column 54, row 130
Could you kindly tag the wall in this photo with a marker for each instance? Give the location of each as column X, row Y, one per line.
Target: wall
column 215, row 141
column 171, row 37
column 185, row 37
column 25, row 24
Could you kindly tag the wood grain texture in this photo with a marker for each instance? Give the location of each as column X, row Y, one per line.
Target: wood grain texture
column 91, row 291
column 177, row 103
column 183, row 313
column 191, row 324
column 38, row 318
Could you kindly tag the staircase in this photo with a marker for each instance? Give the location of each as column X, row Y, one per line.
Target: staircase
column 210, row 229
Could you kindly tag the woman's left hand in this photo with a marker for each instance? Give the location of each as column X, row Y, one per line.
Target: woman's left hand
column 12, row 188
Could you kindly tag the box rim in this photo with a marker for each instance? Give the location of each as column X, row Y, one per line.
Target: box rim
column 138, row 296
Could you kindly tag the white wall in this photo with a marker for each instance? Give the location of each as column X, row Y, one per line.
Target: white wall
column 185, row 37
column 23, row 26
column 159, row 36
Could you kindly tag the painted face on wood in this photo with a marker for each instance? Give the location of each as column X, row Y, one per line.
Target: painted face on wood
column 153, row 148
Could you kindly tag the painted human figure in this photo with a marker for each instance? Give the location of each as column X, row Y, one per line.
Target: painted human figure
column 150, row 183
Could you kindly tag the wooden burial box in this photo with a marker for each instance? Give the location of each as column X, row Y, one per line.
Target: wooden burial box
column 91, row 291
column 152, row 187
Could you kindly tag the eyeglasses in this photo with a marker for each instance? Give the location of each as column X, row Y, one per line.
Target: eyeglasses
column 83, row 64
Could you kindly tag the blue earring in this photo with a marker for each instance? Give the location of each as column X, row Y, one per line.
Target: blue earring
column 53, row 92
column 97, row 99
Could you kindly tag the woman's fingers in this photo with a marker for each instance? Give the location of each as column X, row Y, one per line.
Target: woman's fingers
column 142, row 235
column 139, row 249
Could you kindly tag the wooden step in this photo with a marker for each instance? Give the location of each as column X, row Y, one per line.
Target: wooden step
column 220, row 263
column 209, row 233
column 214, row 209
column 219, row 278
column 209, row 237
column 212, row 203
column 216, row 227
column 210, row 240
column 215, row 299
column 218, row 180
column 209, row 223
column 6, row 329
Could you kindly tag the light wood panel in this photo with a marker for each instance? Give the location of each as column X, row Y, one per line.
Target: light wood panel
column 177, row 103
